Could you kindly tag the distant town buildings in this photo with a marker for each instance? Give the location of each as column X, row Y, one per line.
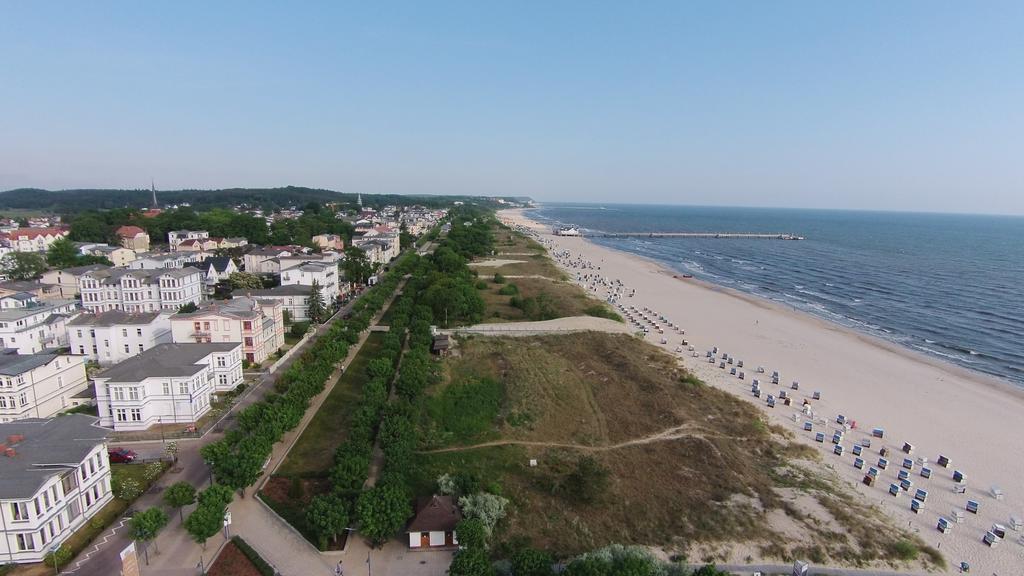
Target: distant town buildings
column 176, row 237
column 167, row 384
column 133, row 238
column 31, row 239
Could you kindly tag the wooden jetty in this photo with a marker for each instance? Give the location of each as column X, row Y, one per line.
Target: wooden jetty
column 739, row 235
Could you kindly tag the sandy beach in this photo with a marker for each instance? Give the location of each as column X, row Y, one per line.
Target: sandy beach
column 939, row 408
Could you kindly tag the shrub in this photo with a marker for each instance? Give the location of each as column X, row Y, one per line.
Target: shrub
column 487, row 508
column 509, row 290
column 264, row 568
column 299, row 329
column 481, row 285
column 498, row 278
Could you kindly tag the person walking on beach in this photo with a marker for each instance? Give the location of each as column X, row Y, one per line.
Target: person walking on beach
column 338, row 570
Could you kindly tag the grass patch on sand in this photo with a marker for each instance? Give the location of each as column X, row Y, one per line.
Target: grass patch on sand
column 528, row 299
column 313, row 453
column 609, row 401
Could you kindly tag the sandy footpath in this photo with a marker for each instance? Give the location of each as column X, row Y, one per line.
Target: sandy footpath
column 940, row 408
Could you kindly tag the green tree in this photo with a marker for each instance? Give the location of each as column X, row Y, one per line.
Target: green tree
column 62, row 254
column 204, row 522
column 188, row 308
column 356, row 266
column 472, row 533
column 245, row 281
column 531, row 562
column 90, row 227
column 471, row 562
column 23, row 265
column 146, row 524
column 179, row 495
column 382, row 510
column 327, row 515
column 317, row 311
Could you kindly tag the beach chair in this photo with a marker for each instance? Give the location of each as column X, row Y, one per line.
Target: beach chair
column 858, row 463
column 857, row 449
column 944, row 526
column 838, row 450
column 997, row 492
column 972, row 506
column 916, row 506
column 926, row 472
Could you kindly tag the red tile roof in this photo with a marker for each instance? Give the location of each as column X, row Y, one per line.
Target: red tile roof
column 129, row 231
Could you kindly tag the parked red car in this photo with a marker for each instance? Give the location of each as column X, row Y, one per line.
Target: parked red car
column 121, row 455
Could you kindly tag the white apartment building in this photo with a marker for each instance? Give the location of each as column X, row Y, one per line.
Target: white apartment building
column 294, row 298
column 65, row 282
column 160, row 261
column 167, row 384
column 323, row 273
column 140, row 290
column 32, row 239
column 114, row 336
column 39, row 385
column 265, row 260
column 256, row 323
column 176, row 237
column 30, row 325
column 56, row 477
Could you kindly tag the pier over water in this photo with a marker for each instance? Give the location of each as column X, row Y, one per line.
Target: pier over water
column 740, row 235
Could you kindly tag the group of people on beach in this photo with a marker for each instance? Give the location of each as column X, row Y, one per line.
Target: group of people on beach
column 588, row 274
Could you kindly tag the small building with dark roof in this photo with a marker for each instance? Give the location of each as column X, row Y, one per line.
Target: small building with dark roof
column 434, row 525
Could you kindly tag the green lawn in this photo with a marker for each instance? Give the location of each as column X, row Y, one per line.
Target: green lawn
column 313, row 454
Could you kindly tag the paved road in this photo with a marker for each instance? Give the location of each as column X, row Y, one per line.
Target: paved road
column 787, row 569
column 106, row 561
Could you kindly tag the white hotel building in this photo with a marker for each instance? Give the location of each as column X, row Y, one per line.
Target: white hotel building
column 168, row 384
column 110, row 337
column 140, row 290
column 39, row 385
column 56, row 476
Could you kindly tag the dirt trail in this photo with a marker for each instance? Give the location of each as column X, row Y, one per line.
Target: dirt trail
column 674, row 433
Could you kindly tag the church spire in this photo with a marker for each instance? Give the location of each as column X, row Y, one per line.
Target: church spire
column 152, row 187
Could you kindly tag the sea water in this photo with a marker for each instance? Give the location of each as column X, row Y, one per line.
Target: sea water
column 951, row 286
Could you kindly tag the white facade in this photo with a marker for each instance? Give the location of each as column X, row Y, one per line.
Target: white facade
column 32, row 239
column 65, row 282
column 29, row 325
column 324, row 274
column 294, row 299
column 168, row 384
column 156, row 261
column 176, row 237
column 64, row 482
column 140, row 290
column 114, row 336
column 39, row 385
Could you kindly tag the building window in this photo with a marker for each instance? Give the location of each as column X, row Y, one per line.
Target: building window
column 124, row 332
column 167, row 388
column 23, row 400
column 25, row 542
column 121, row 414
column 133, row 393
column 221, row 361
column 119, row 393
column 138, row 332
column 136, row 415
column 126, row 351
column 19, row 510
column 223, row 379
column 141, row 348
column 183, row 388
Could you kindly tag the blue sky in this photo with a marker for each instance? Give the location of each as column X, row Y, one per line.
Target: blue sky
column 878, row 105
